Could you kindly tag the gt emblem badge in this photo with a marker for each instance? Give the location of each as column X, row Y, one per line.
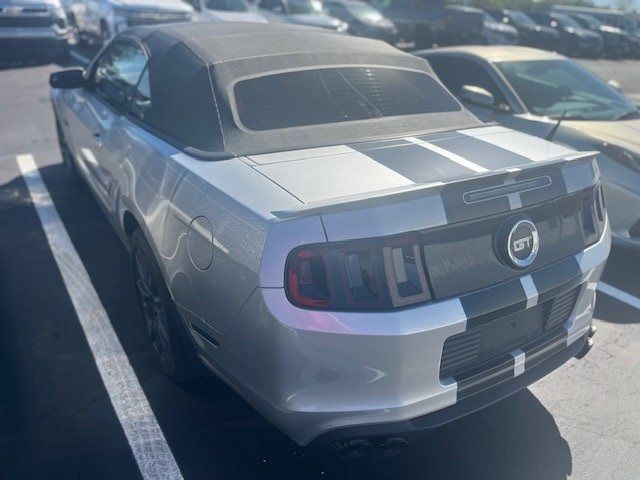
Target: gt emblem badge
column 522, row 244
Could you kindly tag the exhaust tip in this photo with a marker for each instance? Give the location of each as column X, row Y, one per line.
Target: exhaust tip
column 585, row 349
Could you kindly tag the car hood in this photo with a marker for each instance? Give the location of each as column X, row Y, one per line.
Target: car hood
column 624, row 133
column 224, row 16
column 157, row 5
column 369, row 169
column 313, row 20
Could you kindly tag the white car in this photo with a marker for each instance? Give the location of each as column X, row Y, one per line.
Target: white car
column 101, row 20
column 226, row 11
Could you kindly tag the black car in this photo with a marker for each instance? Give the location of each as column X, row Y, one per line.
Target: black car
column 574, row 39
column 530, row 33
column 363, row 19
column 616, row 40
column 462, row 25
column 418, row 21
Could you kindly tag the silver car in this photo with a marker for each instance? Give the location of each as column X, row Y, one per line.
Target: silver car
column 533, row 91
column 317, row 220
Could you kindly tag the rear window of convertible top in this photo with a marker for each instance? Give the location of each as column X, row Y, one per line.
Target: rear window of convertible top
column 334, row 95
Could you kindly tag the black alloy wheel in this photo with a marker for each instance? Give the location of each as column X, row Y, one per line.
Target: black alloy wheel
column 172, row 349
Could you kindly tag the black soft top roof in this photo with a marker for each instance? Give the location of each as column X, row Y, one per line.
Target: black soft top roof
column 193, row 68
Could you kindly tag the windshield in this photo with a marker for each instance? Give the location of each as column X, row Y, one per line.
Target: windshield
column 521, row 20
column 364, row 11
column 227, row 5
column 566, row 21
column 551, row 87
column 305, row 7
column 593, row 22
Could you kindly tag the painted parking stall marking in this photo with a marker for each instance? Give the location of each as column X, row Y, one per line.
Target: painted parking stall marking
column 150, row 450
column 619, row 295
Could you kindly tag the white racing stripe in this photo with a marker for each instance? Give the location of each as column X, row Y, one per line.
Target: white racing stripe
column 450, row 155
column 147, row 442
column 619, row 295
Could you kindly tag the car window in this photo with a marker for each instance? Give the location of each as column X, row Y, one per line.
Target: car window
column 274, row 5
column 227, row 5
column 304, row 6
column 118, row 71
column 555, row 88
column 456, row 72
column 337, row 10
column 140, row 98
column 334, row 95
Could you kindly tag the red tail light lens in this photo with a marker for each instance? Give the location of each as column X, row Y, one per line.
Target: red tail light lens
column 359, row 275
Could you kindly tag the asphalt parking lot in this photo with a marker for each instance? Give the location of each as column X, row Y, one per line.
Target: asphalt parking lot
column 582, row 421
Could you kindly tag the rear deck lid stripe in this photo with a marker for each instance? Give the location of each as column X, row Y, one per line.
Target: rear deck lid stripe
column 450, row 155
column 417, row 164
column 485, row 154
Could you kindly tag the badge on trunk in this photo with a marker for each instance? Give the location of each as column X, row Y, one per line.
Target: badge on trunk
column 518, row 243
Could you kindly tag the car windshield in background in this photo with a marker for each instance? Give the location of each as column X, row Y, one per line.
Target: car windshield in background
column 566, row 21
column 227, row 5
column 555, row 87
column 521, row 20
column 333, row 95
column 364, row 12
column 305, row 7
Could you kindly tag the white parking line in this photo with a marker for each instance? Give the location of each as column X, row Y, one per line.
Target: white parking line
column 619, row 295
column 79, row 57
column 147, row 442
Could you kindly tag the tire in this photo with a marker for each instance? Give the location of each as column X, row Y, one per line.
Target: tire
column 67, row 158
column 173, row 351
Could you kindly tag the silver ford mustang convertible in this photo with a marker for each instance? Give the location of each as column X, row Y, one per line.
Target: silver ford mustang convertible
column 317, row 220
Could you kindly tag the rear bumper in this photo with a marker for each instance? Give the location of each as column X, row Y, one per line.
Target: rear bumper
column 32, row 40
column 320, row 376
column 377, row 434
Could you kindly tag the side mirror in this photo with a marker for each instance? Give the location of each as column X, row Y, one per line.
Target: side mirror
column 72, row 78
column 477, row 96
column 615, row 85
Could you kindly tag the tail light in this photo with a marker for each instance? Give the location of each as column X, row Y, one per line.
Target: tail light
column 593, row 216
column 358, row 275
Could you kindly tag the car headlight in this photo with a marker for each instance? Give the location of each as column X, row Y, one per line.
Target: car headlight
column 342, row 27
column 622, row 155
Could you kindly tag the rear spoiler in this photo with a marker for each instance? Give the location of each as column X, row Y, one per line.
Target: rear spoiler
column 401, row 194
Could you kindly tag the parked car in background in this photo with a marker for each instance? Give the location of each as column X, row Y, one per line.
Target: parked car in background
column 498, row 33
column 329, row 231
column 363, row 19
column 574, row 40
column 532, row 91
column 97, row 21
column 616, row 40
column 226, row 11
column 33, row 28
column 462, row 25
column 301, row 12
column 530, row 33
column 418, row 21
column 625, row 21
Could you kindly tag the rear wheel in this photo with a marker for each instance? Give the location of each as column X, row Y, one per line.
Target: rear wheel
column 172, row 349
